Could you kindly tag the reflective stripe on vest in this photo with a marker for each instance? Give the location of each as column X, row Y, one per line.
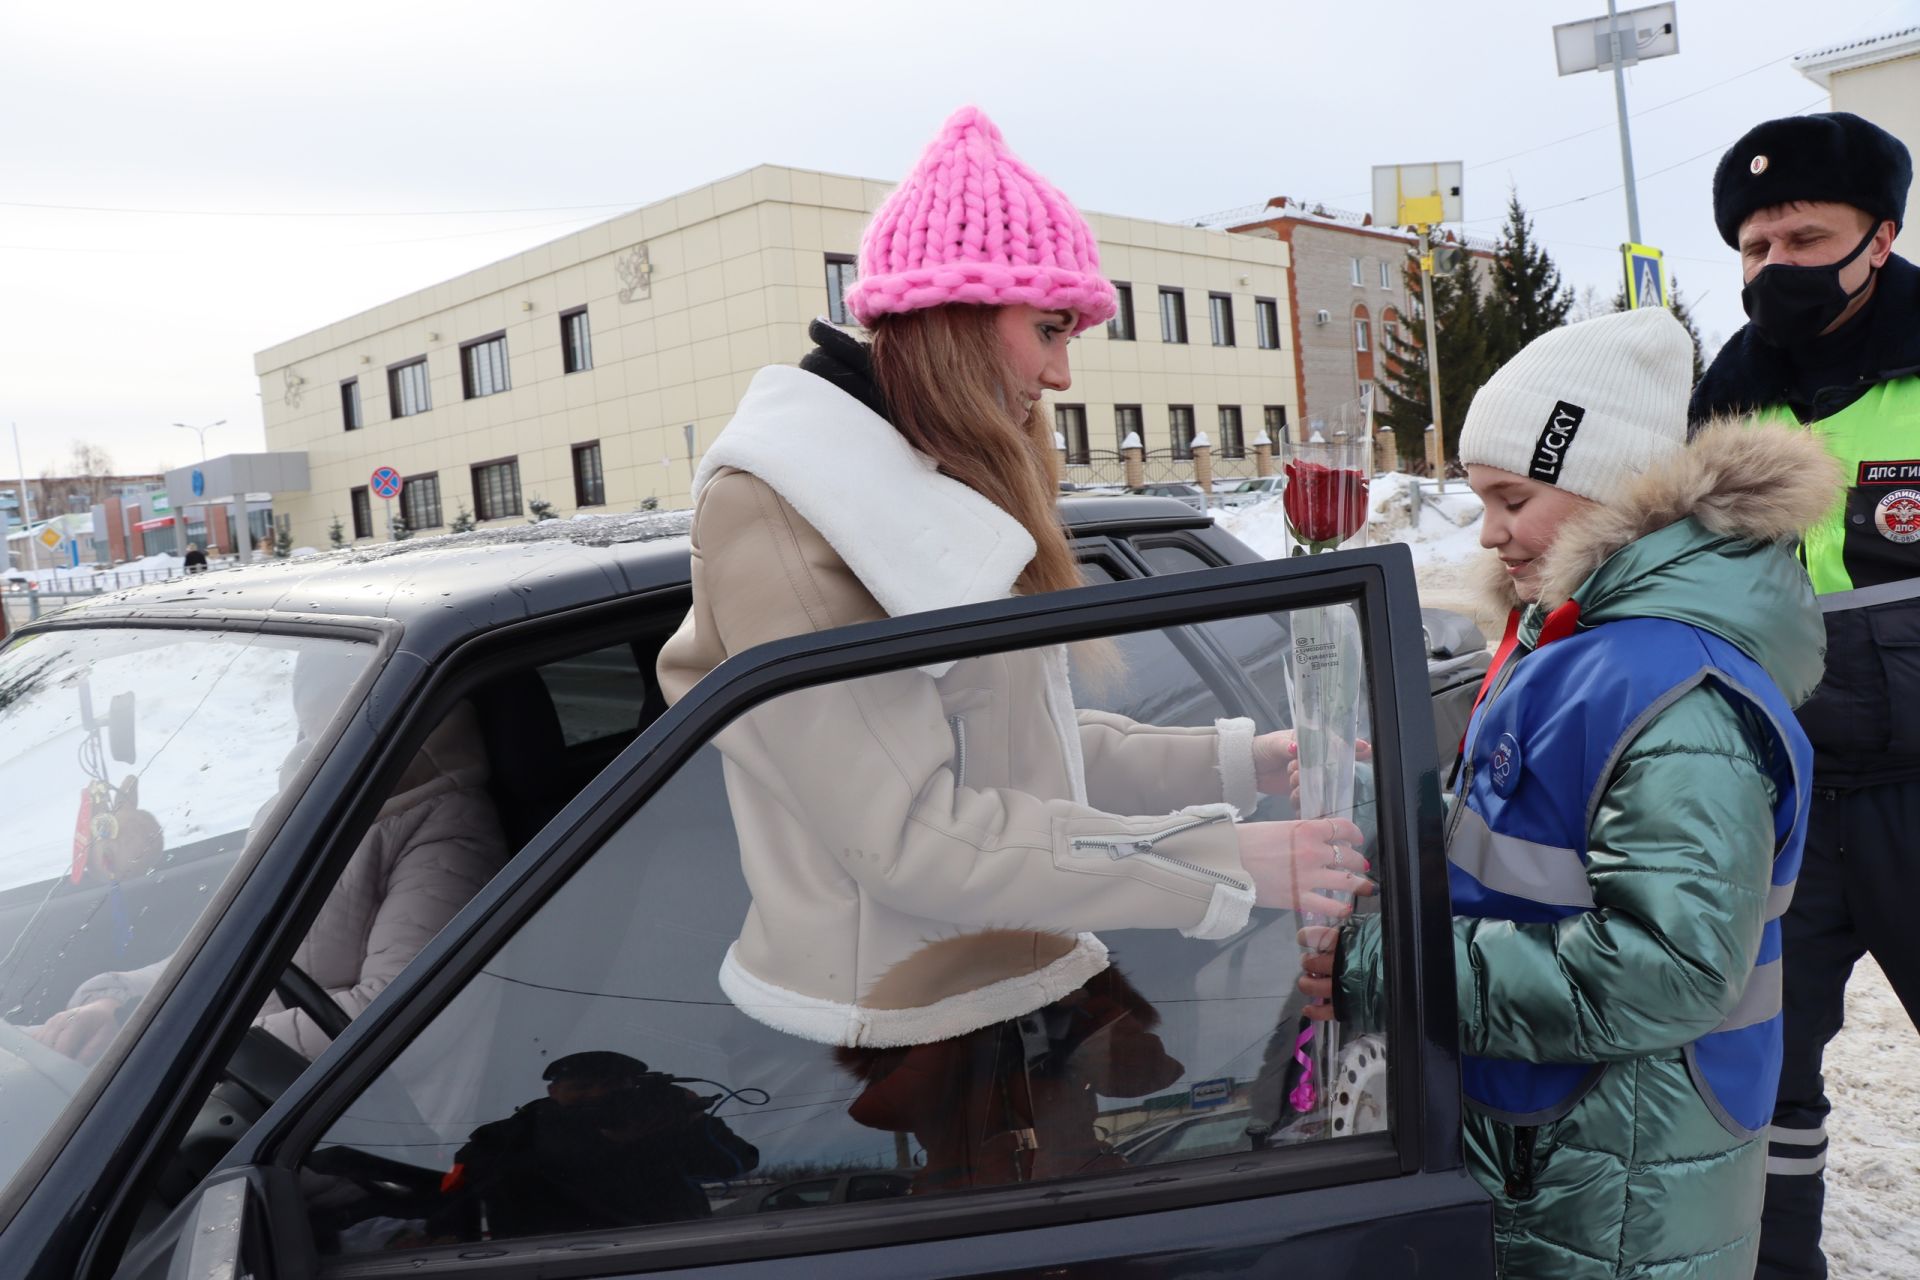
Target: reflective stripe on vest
column 1517, row 846
column 1882, row 426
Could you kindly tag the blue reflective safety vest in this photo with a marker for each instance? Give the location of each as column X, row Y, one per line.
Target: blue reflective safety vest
column 1541, row 749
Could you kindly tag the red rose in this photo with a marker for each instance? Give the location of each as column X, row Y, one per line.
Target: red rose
column 1325, row 504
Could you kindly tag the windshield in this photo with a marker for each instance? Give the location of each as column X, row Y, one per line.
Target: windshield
column 134, row 764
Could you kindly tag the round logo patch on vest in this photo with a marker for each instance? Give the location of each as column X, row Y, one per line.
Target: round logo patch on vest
column 1504, row 765
column 1897, row 516
column 1757, row 166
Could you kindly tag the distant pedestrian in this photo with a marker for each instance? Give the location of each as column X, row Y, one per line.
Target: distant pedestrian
column 1833, row 344
column 196, row 559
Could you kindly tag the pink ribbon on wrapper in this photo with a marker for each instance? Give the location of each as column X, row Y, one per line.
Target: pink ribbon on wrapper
column 1303, row 1093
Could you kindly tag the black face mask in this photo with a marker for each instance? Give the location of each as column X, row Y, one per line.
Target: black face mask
column 1792, row 305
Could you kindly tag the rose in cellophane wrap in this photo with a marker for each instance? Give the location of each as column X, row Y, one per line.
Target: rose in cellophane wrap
column 1326, row 507
column 1326, row 493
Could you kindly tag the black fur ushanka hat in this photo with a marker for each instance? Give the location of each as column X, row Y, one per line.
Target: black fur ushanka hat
column 1835, row 156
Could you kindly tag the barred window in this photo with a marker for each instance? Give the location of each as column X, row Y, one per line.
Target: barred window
column 1276, row 422
column 1232, row 442
column 840, row 277
column 496, row 489
column 362, row 505
column 420, row 501
column 1266, row 317
column 1128, row 422
column 1070, row 420
column 1220, row 312
column 483, row 366
column 589, row 481
column 407, row 388
column 1173, row 315
column 576, row 341
column 350, row 404
column 1180, row 424
column 1120, row 328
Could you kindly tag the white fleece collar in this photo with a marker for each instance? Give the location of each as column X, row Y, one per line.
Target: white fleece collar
column 916, row 539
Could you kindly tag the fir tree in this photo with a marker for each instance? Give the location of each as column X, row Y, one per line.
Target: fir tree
column 337, row 535
column 398, row 529
column 462, row 523
column 1465, row 359
column 542, row 510
column 283, row 539
column 1678, row 305
column 1527, row 298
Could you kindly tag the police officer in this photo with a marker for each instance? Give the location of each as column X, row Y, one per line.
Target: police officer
column 1812, row 204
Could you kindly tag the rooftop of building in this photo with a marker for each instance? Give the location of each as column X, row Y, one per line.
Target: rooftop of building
column 1820, row 65
column 1314, row 212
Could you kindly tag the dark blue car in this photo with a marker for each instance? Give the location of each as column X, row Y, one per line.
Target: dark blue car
column 556, row 1086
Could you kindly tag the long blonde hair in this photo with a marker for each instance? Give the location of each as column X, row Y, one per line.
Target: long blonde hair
column 947, row 388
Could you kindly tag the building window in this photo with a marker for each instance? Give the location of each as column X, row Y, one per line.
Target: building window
column 496, row 489
column 840, row 278
column 362, row 512
column 1266, row 323
column 350, row 404
column 1233, row 440
column 1070, row 420
column 407, row 388
column 589, row 481
column 1362, row 346
column 1120, row 328
column 1274, row 420
column 1173, row 315
column 420, row 501
column 1180, row 424
column 1356, row 272
column 483, row 366
column 1386, row 274
column 576, row 341
column 1220, row 313
column 1128, row 422
column 1360, row 335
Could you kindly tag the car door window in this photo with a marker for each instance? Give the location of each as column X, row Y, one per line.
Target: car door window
column 900, row 928
column 596, row 695
column 1154, row 676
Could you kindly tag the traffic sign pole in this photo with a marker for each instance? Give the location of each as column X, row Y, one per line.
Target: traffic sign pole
column 1620, row 107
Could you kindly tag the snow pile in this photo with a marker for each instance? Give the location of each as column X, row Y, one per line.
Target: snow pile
column 1873, row 1160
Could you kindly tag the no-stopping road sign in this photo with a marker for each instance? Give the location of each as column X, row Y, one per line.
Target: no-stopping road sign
column 386, row 482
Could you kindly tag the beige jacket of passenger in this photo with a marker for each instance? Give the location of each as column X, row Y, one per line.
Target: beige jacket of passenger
column 967, row 800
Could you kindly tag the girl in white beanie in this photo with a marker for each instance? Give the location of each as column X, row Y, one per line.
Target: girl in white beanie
column 1630, row 810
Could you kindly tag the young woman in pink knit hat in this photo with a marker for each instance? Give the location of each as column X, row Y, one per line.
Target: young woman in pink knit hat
column 918, row 891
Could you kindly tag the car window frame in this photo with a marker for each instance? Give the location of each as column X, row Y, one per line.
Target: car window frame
column 1423, row 1084
column 372, row 759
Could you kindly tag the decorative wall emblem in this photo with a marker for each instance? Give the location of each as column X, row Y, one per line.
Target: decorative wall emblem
column 294, row 382
column 636, row 274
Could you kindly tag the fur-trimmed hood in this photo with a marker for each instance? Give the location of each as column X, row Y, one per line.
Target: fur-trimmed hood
column 1703, row 540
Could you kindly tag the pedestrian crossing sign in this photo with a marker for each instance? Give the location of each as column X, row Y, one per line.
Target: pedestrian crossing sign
column 1646, row 276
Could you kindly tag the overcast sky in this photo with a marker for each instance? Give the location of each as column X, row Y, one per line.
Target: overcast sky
column 182, row 185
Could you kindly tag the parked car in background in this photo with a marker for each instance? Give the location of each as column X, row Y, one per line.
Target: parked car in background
column 1248, row 492
column 1177, row 489
column 228, row 742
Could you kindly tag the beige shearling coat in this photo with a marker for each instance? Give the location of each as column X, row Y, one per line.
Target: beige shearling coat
column 966, row 801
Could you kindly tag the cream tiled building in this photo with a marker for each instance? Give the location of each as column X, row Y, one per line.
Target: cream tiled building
column 590, row 373
column 1878, row 78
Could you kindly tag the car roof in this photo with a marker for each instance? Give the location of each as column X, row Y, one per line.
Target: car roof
column 445, row 589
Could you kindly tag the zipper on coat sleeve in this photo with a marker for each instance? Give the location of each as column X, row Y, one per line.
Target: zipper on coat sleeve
column 1122, row 847
column 959, row 726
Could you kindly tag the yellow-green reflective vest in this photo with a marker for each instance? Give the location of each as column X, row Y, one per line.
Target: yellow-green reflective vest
column 1867, row 549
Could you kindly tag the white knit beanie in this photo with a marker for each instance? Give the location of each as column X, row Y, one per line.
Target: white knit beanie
column 1589, row 407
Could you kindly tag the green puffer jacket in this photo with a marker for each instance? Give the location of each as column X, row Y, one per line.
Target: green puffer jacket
column 1640, row 1179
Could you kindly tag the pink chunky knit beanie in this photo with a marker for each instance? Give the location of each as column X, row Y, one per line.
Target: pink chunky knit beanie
column 973, row 224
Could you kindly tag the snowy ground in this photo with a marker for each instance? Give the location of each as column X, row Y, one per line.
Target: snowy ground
column 1873, row 1066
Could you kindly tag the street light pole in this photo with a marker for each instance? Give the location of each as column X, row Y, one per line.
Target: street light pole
column 1619, row 47
column 26, row 503
column 202, row 433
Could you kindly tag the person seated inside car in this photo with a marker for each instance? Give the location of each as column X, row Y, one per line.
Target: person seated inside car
column 431, row 847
